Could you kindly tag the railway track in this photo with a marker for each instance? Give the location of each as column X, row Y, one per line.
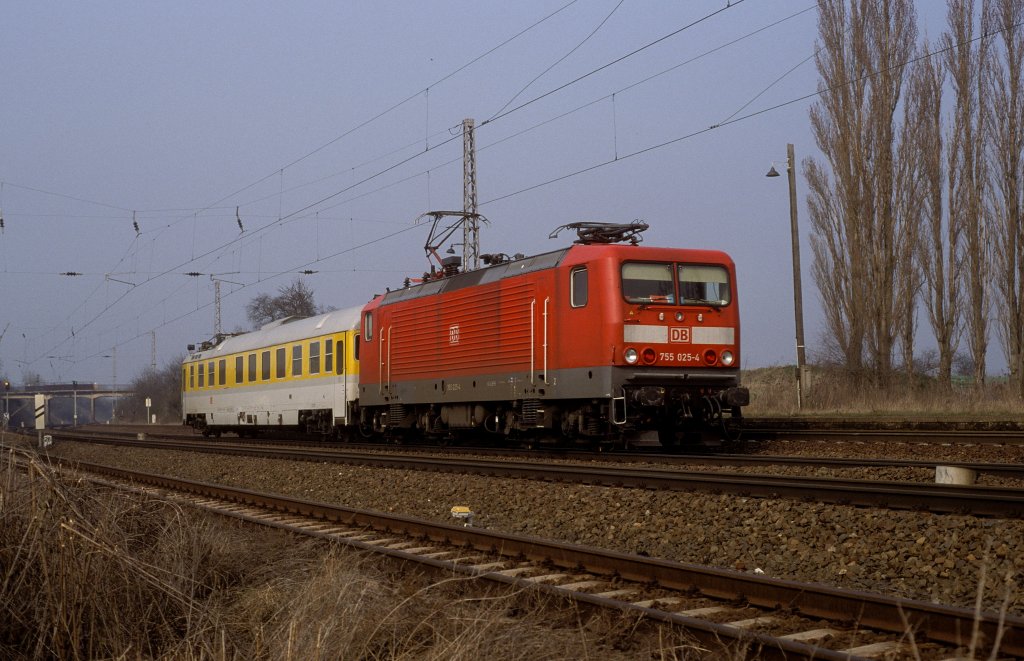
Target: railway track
column 770, row 618
column 801, row 429
column 940, row 498
column 766, row 432
column 647, row 455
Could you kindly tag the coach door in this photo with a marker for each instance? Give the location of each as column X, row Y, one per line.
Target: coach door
column 334, row 370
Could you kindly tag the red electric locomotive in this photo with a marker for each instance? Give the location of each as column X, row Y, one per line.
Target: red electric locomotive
column 605, row 342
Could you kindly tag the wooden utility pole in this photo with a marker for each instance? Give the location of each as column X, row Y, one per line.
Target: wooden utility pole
column 798, row 297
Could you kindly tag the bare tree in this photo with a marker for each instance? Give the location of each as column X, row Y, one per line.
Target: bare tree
column 834, row 240
column 1005, row 123
column 31, row 378
column 163, row 387
column 855, row 212
column 964, row 58
column 938, row 246
column 294, row 300
column 920, row 119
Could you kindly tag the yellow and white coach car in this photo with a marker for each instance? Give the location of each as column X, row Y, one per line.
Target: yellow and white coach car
column 300, row 374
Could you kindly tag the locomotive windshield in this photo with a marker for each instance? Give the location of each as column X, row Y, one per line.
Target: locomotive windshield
column 663, row 283
column 704, row 284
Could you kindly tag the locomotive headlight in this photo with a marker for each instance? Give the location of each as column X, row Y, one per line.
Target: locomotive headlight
column 631, row 356
column 727, row 358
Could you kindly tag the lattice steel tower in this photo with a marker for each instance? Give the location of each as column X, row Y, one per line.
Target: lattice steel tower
column 471, row 222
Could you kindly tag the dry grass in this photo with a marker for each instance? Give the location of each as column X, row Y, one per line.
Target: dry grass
column 833, row 393
column 89, row 573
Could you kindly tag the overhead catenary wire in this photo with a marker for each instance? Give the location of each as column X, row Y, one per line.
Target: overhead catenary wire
column 706, row 17
column 474, row 60
column 731, row 120
column 734, row 120
column 394, row 106
column 561, row 59
column 402, row 162
column 214, row 205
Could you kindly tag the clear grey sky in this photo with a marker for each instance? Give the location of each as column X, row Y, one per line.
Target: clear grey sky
column 333, row 125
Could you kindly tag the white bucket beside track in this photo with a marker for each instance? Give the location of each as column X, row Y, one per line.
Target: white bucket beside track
column 955, row 475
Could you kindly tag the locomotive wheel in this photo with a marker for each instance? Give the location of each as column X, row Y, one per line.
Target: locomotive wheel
column 668, row 436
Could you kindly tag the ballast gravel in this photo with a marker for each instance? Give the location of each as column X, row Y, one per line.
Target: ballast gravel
column 931, row 557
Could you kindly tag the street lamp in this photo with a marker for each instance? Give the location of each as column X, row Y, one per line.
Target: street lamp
column 798, row 302
column 113, row 356
column 7, row 402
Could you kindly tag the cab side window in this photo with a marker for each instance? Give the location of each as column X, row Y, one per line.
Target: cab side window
column 368, row 326
column 579, row 290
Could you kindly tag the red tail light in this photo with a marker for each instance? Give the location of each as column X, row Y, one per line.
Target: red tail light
column 710, row 357
column 649, row 356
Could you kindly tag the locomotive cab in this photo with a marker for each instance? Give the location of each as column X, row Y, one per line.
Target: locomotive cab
column 681, row 340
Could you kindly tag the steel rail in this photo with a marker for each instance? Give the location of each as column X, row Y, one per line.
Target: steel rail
column 644, row 455
column 924, row 436
column 942, row 498
column 937, row 622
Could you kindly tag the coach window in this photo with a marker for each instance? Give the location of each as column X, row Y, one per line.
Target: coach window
column 223, row 373
column 210, row 373
column 252, row 367
column 579, row 292
column 239, row 369
column 297, row 360
column 708, row 285
column 341, row 356
column 646, row 282
column 314, row 358
column 191, row 377
column 282, row 363
column 368, row 326
column 265, row 367
column 201, row 373
column 328, row 356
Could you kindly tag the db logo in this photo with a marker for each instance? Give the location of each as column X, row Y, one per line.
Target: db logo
column 679, row 334
column 453, row 334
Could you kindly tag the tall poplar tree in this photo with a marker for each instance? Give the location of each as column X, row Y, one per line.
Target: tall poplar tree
column 854, row 196
column 967, row 171
column 1005, row 123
